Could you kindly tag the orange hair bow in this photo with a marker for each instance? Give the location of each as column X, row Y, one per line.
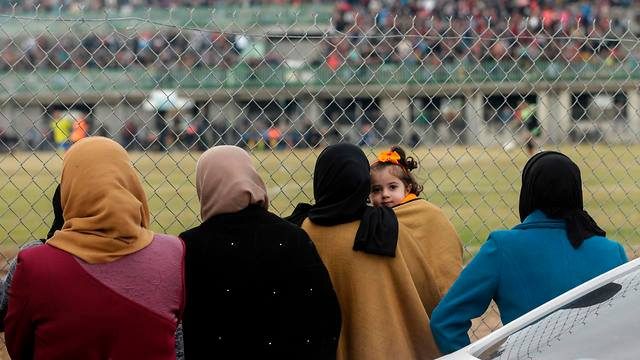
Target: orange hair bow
column 389, row 157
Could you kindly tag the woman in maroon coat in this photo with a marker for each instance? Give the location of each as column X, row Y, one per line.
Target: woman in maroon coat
column 103, row 287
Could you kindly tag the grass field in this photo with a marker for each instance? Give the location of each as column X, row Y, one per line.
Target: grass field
column 477, row 188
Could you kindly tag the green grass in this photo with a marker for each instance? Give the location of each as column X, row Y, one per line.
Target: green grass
column 477, row 188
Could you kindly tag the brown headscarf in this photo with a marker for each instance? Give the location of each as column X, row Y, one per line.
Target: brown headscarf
column 105, row 209
column 227, row 182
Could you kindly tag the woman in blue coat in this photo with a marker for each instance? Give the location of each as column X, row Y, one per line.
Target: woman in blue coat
column 557, row 247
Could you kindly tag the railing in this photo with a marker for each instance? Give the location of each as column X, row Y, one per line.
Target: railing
column 265, row 76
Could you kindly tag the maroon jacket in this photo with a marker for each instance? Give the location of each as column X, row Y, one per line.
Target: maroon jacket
column 60, row 310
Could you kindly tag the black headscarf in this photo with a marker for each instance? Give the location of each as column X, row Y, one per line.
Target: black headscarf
column 551, row 183
column 58, row 220
column 341, row 186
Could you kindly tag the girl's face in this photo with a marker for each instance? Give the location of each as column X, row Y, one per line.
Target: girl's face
column 386, row 189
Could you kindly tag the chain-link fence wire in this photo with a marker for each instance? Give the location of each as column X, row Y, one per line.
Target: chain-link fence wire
column 469, row 99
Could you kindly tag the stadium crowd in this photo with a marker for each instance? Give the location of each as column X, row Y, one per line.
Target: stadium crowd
column 152, row 50
column 367, row 32
column 126, row 5
column 435, row 32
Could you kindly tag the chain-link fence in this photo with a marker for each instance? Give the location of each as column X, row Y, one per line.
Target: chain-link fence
column 468, row 98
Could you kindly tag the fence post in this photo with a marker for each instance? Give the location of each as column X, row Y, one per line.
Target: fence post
column 554, row 114
column 232, row 111
column 564, row 111
column 397, row 111
column 633, row 112
column 313, row 111
column 474, row 118
column 226, row 113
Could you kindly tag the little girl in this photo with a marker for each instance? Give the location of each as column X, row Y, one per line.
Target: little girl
column 393, row 185
column 391, row 180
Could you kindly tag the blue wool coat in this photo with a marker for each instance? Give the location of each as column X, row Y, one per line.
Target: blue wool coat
column 520, row 269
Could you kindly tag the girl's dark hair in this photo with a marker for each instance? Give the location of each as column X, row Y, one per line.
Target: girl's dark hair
column 403, row 170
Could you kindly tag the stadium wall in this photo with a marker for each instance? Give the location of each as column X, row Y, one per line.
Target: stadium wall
column 397, row 102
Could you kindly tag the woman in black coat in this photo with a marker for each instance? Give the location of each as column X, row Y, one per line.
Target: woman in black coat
column 255, row 284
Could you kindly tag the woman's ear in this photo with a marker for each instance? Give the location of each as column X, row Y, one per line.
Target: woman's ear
column 408, row 189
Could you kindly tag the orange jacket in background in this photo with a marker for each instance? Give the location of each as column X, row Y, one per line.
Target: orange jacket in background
column 80, row 130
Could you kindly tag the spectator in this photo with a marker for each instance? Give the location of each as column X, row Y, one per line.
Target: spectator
column 394, row 186
column 106, row 218
column 256, row 285
column 557, row 247
column 377, row 268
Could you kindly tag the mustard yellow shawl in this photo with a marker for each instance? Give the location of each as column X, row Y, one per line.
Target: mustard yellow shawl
column 385, row 302
column 105, row 209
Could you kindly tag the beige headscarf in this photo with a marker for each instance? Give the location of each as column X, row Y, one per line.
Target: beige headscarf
column 227, row 182
column 105, row 208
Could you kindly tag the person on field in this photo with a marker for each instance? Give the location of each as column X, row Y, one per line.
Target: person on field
column 80, row 129
column 385, row 286
column 527, row 115
column 61, row 127
column 557, row 247
column 127, row 282
column 393, row 185
column 525, row 118
column 256, row 287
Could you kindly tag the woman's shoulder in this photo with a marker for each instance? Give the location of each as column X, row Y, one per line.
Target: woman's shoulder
column 35, row 248
column 268, row 224
column 518, row 238
column 164, row 246
column 523, row 233
column 601, row 242
column 507, row 237
column 347, row 230
column 29, row 245
column 168, row 241
column 415, row 203
column 309, row 224
column 165, row 238
column 271, row 219
column 37, row 259
column 262, row 226
column 420, row 212
column 418, row 206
